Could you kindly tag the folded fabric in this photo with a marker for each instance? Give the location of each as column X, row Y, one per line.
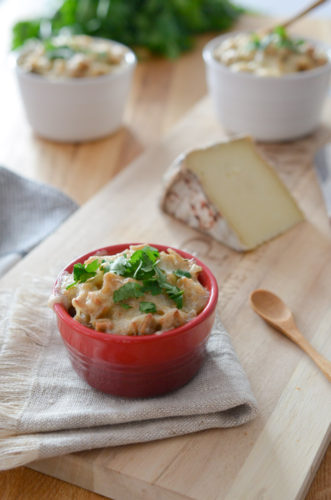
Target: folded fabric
column 29, row 211
column 47, row 410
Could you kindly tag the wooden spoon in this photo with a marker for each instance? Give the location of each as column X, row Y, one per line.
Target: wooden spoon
column 273, row 310
column 294, row 18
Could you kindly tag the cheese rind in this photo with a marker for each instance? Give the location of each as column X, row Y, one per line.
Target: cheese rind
column 231, row 193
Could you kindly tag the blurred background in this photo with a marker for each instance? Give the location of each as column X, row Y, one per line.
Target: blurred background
column 94, row 12
column 284, row 7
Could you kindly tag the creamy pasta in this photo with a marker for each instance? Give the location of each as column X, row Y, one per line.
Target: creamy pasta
column 136, row 292
column 74, row 56
column 275, row 54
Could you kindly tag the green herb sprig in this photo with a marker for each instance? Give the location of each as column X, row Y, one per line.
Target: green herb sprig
column 278, row 37
column 161, row 27
column 175, row 293
column 147, row 307
column 143, row 266
column 180, row 273
column 130, row 290
column 83, row 272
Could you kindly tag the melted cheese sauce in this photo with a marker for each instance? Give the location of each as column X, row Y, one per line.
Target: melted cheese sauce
column 239, row 54
column 92, row 303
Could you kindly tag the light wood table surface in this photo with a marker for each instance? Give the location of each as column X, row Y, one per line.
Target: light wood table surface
column 162, row 92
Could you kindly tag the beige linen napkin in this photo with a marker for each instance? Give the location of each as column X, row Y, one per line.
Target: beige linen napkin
column 47, row 410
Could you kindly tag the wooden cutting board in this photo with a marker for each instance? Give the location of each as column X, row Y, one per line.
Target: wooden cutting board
column 276, row 455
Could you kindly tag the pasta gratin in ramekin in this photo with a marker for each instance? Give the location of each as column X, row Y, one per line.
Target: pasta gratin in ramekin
column 135, row 319
column 73, row 96
column 263, row 92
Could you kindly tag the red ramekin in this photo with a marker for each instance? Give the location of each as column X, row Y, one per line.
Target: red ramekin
column 138, row 366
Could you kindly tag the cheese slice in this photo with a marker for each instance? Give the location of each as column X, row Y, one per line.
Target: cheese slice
column 230, row 192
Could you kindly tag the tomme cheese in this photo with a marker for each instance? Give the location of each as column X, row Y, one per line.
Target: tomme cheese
column 231, row 193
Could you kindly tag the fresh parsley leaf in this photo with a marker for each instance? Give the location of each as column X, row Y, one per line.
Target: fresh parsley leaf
column 161, row 27
column 121, row 266
column 82, row 272
column 152, row 287
column 284, row 41
column 60, row 53
column 255, row 42
column 150, row 252
column 139, row 266
column 25, row 30
column 280, row 31
column 175, row 293
column 278, row 37
column 147, row 307
column 125, row 306
column 128, row 291
column 93, row 266
column 78, row 271
column 49, row 45
column 71, row 285
column 180, row 273
column 142, row 263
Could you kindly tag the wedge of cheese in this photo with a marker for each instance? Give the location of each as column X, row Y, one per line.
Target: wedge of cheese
column 230, row 192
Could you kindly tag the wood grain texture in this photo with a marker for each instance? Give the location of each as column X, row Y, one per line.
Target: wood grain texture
column 161, row 94
column 182, row 468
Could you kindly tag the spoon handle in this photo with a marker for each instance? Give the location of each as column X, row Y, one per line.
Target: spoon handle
column 299, row 15
column 293, row 19
column 323, row 364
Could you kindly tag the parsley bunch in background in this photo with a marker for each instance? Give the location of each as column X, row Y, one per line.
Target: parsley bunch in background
column 164, row 27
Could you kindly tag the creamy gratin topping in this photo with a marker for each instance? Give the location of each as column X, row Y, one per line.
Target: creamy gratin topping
column 139, row 291
column 72, row 56
column 275, row 54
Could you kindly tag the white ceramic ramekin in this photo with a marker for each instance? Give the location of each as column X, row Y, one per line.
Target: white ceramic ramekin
column 76, row 109
column 267, row 108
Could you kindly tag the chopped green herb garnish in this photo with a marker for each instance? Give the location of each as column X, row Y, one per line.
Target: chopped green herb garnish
column 147, row 307
column 102, row 55
column 83, row 272
column 278, row 37
column 142, row 263
column 255, row 42
column 152, row 287
column 175, row 293
column 128, row 291
column 71, row 285
column 63, row 52
column 120, row 266
column 150, row 252
column 92, row 267
column 180, row 273
column 141, row 266
column 49, row 45
column 125, row 306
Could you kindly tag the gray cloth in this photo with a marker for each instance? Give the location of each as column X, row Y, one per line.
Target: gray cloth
column 29, row 211
column 47, row 410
